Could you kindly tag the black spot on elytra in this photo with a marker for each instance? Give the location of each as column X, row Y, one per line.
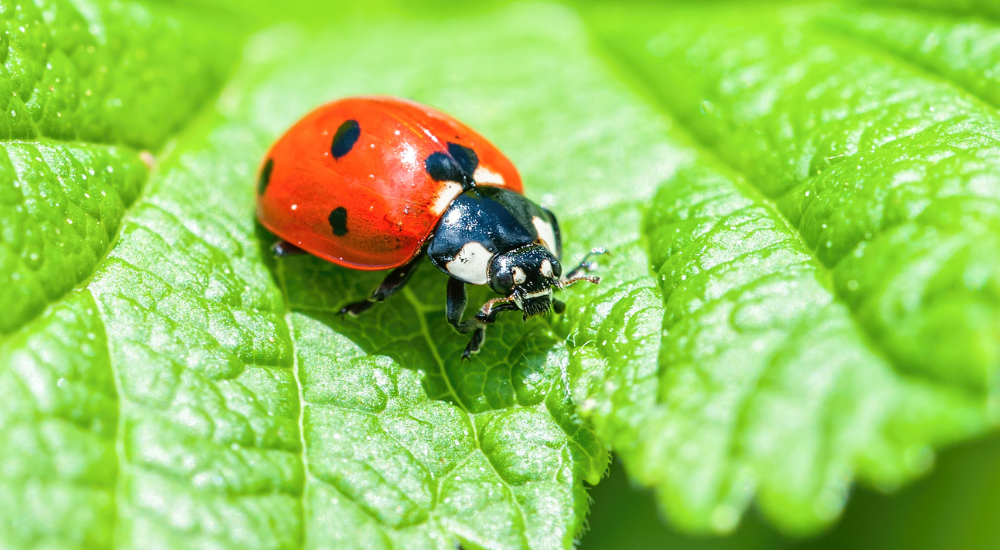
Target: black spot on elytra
column 345, row 138
column 442, row 167
column 338, row 221
column 458, row 165
column 265, row 176
column 466, row 158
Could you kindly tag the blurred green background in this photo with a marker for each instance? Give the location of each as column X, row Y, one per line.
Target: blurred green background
column 955, row 507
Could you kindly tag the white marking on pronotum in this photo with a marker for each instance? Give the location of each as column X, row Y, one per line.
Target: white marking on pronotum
column 485, row 175
column 519, row 276
column 444, row 198
column 546, row 268
column 471, row 264
column 545, row 233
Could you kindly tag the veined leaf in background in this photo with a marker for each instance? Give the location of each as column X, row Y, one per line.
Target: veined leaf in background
column 114, row 77
column 57, row 431
column 233, row 407
column 62, row 204
column 105, row 73
column 830, row 296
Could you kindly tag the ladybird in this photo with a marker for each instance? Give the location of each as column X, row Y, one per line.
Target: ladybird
column 374, row 183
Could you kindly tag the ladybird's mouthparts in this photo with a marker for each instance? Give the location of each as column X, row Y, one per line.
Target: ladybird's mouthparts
column 534, row 303
column 537, row 306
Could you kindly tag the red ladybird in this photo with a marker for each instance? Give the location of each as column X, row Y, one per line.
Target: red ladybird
column 371, row 182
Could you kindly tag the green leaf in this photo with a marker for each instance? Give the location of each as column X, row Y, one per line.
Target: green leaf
column 62, row 204
column 249, row 413
column 988, row 8
column 114, row 72
column 109, row 71
column 828, row 264
column 84, row 88
column 802, row 285
column 960, row 49
column 57, row 431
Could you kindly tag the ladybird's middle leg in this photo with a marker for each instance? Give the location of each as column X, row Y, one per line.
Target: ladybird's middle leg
column 455, row 303
column 393, row 283
column 283, row 249
column 478, row 338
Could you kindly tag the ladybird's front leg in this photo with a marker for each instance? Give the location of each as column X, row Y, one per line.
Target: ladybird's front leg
column 474, row 345
column 455, row 303
column 577, row 274
column 393, row 283
column 455, row 309
column 487, row 315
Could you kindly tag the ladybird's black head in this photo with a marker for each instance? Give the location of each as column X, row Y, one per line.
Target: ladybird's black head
column 526, row 275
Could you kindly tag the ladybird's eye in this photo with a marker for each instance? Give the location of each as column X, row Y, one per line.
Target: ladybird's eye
column 505, row 279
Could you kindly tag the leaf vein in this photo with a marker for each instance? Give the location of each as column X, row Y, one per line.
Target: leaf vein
column 412, row 299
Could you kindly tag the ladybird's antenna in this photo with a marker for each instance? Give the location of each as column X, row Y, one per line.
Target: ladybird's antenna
column 569, row 282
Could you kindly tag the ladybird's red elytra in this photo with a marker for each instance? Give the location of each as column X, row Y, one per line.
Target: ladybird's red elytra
column 371, row 182
column 364, row 158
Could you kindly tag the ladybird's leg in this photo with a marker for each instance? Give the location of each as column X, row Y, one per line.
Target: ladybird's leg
column 478, row 338
column 558, row 306
column 282, row 248
column 585, row 265
column 487, row 316
column 455, row 303
column 455, row 308
column 477, row 326
column 570, row 282
column 488, row 313
column 555, row 231
column 393, row 283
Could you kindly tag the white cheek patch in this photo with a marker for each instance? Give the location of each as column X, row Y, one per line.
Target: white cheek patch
column 546, row 268
column 444, row 198
column 519, row 276
column 471, row 264
column 545, row 233
column 487, row 176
